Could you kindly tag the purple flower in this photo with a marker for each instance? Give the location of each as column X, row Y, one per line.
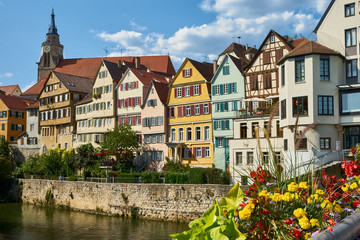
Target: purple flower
column 236, row 219
column 270, row 184
column 314, row 233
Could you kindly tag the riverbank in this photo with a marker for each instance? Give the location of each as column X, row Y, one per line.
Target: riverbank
column 170, row 202
column 9, row 190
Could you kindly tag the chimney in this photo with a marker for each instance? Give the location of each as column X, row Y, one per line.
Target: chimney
column 137, row 62
column 254, row 46
column 148, row 70
column 214, row 66
column 246, row 47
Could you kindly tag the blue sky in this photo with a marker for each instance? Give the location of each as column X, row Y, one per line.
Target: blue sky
column 198, row 29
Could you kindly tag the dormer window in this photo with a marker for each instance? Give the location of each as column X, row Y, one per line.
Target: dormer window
column 272, row 38
column 187, row 72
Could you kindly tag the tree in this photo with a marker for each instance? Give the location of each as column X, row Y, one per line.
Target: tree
column 6, row 164
column 84, row 156
column 122, row 142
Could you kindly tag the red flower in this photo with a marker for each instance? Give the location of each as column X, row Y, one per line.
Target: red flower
column 330, row 229
column 266, row 212
column 356, row 203
column 332, row 222
column 288, row 222
column 242, row 204
column 297, row 234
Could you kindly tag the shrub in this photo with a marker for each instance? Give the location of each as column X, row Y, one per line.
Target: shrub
column 197, row 176
column 179, row 178
column 216, row 176
column 150, row 177
column 172, row 166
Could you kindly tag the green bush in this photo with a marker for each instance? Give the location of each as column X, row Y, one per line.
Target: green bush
column 197, row 176
column 150, row 177
column 176, row 178
column 216, row 176
column 172, row 166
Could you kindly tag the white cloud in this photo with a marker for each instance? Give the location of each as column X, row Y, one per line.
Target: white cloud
column 233, row 18
column 137, row 27
column 6, row 75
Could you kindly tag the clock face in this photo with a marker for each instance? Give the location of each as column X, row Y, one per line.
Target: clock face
column 47, row 48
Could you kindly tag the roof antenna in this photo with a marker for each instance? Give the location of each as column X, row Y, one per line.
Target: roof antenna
column 238, row 37
column 106, row 51
column 206, row 57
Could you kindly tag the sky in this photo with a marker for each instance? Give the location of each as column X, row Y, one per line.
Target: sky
column 197, row 29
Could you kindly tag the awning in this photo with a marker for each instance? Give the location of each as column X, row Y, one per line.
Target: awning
column 254, row 100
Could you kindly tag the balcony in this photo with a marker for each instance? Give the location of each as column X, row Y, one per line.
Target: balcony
column 259, row 113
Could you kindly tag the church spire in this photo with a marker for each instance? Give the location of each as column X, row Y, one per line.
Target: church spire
column 52, row 27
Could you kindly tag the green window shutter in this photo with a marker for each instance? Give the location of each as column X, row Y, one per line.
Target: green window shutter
column 214, row 125
column 222, row 124
column 224, row 142
column 213, row 90
column 221, row 107
column 221, row 89
column 235, row 106
column 229, row 88
column 227, row 125
column 216, row 142
column 235, row 87
column 226, row 106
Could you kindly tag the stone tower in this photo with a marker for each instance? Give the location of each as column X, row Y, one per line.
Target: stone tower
column 51, row 50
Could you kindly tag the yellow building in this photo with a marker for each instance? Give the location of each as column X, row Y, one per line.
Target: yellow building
column 189, row 112
column 13, row 116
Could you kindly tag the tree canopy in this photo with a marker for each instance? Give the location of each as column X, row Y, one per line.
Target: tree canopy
column 6, row 164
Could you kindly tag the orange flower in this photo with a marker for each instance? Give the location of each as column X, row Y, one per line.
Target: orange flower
column 330, row 229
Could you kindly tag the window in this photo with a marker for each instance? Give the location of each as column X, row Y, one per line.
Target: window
column 12, row 139
column 197, row 109
column 250, row 158
column 217, row 90
column 196, row 90
column 186, row 152
column 238, row 158
column 217, row 125
column 283, row 109
column 351, row 68
column 3, row 126
column 272, row 38
column 206, row 108
column 181, row 134
column 188, row 134
column 254, row 126
column 179, row 92
column 187, row 91
column 220, row 142
column 198, row 133
column 265, row 157
column 350, row 102
column 300, row 70
column 325, row 143
column 278, row 157
column 325, row 105
column 198, row 152
column 226, row 70
column 187, row 110
column 244, row 180
column 266, row 57
column 187, row 72
column 207, row 152
column 302, row 145
column 324, row 70
column 350, row 37
column 243, row 130
column 206, row 133
column 300, row 106
column 253, row 83
column 350, row 10
column 173, row 135
column 267, row 81
column 32, row 127
column 233, row 87
column 279, row 130
column 226, row 89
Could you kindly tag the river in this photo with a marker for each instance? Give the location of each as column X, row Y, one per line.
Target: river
column 21, row 221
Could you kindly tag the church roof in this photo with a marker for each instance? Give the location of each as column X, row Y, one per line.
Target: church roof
column 16, row 103
column 9, row 89
column 52, row 27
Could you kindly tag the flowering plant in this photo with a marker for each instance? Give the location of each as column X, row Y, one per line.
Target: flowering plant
column 272, row 209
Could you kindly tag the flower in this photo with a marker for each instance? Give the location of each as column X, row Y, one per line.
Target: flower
column 338, row 209
column 245, row 214
column 304, row 223
column 292, row 187
column 303, row 185
column 289, row 222
column 330, row 229
column 236, row 212
column 276, row 197
column 287, row 197
column 332, row 222
column 307, row 235
column 299, row 213
column 353, row 185
column 314, row 222
column 297, row 234
column 319, row 192
column 327, row 205
column 265, row 194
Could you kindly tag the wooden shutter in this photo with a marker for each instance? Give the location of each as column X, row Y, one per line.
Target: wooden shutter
column 183, row 92
column 190, row 72
column 133, row 121
column 278, row 54
column 192, row 110
column 182, row 152
column 140, row 120
column 179, row 110
column 183, row 73
column 175, row 92
column 266, row 57
column 203, row 152
column 199, row 89
column 191, row 90
column 201, row 109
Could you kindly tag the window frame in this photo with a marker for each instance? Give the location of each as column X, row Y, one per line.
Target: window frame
column 324, row 74
column 188, row 134
column 304, row 112
column 197, row 134
column 300, row 73
column 352, row 36
column 238, row 161
column 330, row 111
column 350, row 6
column 323, row 145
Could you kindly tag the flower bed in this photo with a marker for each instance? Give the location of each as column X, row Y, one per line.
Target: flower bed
column 299, row 208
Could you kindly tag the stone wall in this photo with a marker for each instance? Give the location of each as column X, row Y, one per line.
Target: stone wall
column 151, row 201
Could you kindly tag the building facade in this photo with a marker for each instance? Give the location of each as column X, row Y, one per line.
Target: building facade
column 189, row 115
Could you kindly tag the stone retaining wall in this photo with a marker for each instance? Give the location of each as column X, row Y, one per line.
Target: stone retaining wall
column 174, row 202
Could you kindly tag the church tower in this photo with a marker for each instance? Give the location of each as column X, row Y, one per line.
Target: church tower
column 51, row 51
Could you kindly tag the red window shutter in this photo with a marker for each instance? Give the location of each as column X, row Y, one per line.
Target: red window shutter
column 139, row 120
column 190, row 72
column 139, row 100
column 126, row 86
column 203, row 151
column 133, row 102
column 209, row 108
column 199, row 89
column 191, row 90
column 126, row 102
column 118, row 103
column 183, row 72
column 168, row 112
column 175, row 92
column 179, row 111
column 183, row 91
column 192, row 110
column 182, row 152
column 119, row 120
column 133, row 121
column 184, row 110
column 172, row 112
column 201, row 109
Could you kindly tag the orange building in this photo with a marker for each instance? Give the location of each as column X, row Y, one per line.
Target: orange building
column 13, row 116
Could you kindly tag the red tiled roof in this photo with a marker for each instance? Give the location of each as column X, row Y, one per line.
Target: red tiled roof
column 75, row 83
column 205, row 69
column 146, row 77
column 88, row 67
column 162, row 90
column 9, row 89
column 296, row 42
column 16, row 103
column 36, row 88
column 34, row 105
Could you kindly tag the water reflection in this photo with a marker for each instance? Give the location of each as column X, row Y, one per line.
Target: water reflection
column 30, row 222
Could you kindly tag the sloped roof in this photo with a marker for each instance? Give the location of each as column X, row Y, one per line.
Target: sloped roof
column 146, row 77
column 296, row 42
column 34, row 105
column 75, row 83
column 114, row 70
column 9, row 89
column 309, row 47
column 205, row 69
column 88, row 67
column 36, row 88
column 239, row 50
column 237, row 63
column 16, row 103
column 88, row 98
column 162, row 89
column 324, row 16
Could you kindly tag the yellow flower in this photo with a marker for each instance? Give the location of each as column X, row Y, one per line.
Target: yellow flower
column 309, row 200
column 299, row 213
column 303, row 185
column 304, row 223
column 314, row 222
column 276, row 197
column 345, row 187
column 245, row 214
column 264, row 194
column 320, row 192
column 276, row 190
column 307, row 235
column 353, row 186
column 295, row 195
column 327, row 205
column 292, row 187
column 250, row 207
column 338, row 208
column 287, row 197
